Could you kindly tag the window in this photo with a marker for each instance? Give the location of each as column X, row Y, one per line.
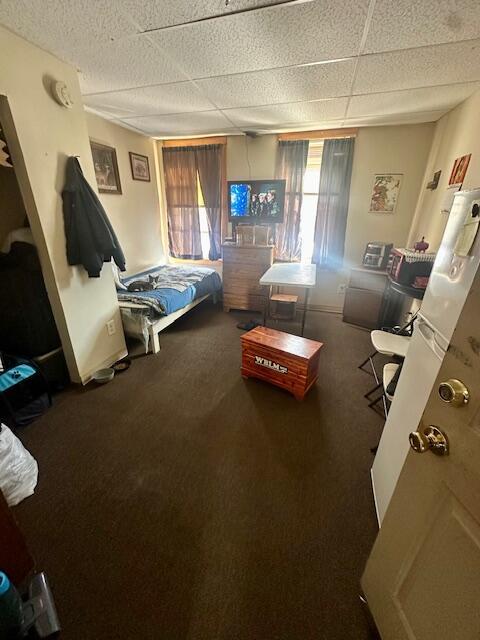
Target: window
column 202, row 212
column 308, row 212
column 194, row 230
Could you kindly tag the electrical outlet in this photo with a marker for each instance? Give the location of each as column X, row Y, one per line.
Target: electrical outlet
column 341, row 289
column 111, row 327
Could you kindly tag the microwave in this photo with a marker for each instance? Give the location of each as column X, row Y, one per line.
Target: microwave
column 376, row 255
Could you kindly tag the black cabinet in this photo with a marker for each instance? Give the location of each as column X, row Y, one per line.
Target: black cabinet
column 363, row 297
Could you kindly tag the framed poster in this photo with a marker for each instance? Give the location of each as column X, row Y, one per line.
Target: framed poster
column 140, row 167
column 386, row 187
column 459, row 170
column 106, row 168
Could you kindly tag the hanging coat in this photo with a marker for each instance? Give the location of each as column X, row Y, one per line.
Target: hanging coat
column 91, row 240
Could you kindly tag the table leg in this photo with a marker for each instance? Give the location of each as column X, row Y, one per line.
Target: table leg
column 266, row 307
column 305, row 309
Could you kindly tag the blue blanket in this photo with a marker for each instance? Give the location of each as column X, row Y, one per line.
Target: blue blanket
column 175, row 287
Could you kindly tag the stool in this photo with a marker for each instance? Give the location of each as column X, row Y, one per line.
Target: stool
column 283, row 306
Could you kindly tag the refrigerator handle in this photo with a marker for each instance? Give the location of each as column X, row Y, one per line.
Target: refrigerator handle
column 431, row 338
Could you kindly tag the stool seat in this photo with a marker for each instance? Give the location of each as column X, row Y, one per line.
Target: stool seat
column 389, row 371
column 284, row 297
column 390, row 344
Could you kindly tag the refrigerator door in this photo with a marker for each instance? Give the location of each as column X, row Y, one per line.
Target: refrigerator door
column 453, row 272
column 421, row 367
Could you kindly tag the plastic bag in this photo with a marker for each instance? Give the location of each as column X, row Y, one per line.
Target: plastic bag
column 18, row 468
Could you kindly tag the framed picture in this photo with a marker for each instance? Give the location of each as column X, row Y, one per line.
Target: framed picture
column 459, row 170
column 385, row 191
column 106, row 168
column 140, row 167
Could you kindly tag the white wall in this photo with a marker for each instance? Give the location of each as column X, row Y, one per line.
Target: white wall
column 135, row 214
column 251, row 158
column 456, row 134
column 47, row 134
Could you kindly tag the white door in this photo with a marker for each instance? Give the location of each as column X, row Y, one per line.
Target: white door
column 422, row 579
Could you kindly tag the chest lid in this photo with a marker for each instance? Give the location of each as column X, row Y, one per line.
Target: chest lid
column 296, row 346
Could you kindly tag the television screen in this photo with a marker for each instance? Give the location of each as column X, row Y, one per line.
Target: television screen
column 256, row 200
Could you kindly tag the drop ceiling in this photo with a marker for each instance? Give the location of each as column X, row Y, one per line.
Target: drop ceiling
column 171, row 68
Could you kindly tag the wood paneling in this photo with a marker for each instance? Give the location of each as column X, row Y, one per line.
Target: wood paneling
column 243, row 266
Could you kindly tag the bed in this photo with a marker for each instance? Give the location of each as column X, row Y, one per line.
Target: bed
column 176, row 290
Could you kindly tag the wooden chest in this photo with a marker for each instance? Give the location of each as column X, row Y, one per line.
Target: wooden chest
column 288, row 361
column 243, row 266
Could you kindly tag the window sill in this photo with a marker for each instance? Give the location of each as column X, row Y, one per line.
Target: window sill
column 201, row 263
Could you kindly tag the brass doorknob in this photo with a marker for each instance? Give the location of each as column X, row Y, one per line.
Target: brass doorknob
column 431, row 438
column 454, row 392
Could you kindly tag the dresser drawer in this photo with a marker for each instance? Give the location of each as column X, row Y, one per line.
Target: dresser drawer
column 247, row 301
column 242, row 287
column 250, row 272
column 259, row 255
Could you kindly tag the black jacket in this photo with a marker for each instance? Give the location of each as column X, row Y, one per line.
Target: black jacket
column 91, row 240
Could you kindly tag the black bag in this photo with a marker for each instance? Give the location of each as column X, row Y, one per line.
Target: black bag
column 24, row 392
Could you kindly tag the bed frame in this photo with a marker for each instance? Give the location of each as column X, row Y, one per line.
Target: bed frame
column 164, row 321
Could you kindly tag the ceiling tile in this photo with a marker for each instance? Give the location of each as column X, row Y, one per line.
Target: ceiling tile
column 293, row 84
column 393, row 119
column 280, row 36
column 151, row 14
column 441, row 64
column 411, row 101
column 124, row 64
column 166, row 98
column 405, row 23
column 65, row 26
column 182, row 124
column 297, row 112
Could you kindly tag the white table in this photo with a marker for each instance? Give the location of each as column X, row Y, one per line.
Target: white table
column 291, row 274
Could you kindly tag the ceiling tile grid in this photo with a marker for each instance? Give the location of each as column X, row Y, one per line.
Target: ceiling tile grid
column 183, row 67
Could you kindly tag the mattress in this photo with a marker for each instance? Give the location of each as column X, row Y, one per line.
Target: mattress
column 175, row 287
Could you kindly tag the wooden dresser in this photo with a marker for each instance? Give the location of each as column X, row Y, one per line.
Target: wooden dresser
column 243, row 266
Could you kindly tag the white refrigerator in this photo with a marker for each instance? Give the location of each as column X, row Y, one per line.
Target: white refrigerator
column 452, row 275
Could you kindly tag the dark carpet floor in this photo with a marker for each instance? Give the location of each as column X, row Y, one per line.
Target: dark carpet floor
column 182, row 502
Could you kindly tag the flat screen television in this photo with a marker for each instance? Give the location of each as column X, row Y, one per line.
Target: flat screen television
column 252, row 201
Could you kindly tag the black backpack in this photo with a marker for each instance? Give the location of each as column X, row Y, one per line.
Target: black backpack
column 24, row 391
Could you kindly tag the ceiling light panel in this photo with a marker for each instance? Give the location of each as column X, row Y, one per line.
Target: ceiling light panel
column 413, row 23
column 412, row 68
column 292, row 113
column 274, row 86
column 282, row 36
column 182, row 124
column 410, row 100
column 166, row 98
column 389, row 119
